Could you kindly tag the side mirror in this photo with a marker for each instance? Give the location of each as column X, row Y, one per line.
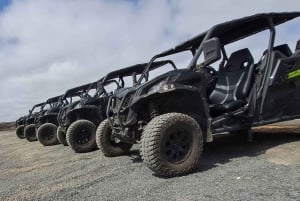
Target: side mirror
column 297, row 45
column 211, row 51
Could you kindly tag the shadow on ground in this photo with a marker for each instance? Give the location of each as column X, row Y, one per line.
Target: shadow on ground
column 224, row 148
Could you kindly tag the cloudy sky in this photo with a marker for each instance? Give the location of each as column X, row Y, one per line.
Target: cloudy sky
column 48, row 46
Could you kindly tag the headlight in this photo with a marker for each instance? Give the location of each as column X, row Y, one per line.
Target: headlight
column 156, row 87
column 78, row 105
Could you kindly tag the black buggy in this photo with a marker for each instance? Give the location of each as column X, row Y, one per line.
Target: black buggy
column 91, row 110
column 84, row 116
column 173, row 114
column 20, row 124
column 47, row 121
column 71, row 98
column 30, row 126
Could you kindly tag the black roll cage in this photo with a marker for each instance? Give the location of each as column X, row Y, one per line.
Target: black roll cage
column 77, row 91
column 136, row 69
column 70, row 93
column 41, row 105
column 229, row 32
column 232, row 31
column 54, row 100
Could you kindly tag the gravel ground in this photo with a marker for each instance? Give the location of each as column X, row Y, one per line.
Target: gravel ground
column 231, row 169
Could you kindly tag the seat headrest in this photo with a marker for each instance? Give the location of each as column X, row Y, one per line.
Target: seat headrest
column 238, row 58
column 284, row 49
column 297, row 45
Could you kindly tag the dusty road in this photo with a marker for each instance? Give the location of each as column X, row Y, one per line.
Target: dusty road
column 231, row 169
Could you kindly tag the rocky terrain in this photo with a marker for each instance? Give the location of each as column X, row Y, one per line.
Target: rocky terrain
column 230, row 169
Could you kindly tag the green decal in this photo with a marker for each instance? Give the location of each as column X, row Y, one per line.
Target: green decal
column 293, row 74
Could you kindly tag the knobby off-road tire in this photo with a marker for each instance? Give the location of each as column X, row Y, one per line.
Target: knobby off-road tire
column 81, row 136
column 20, row 131
column 30, row 132
column 106, row 145
column 61, row 136
column 171, row 144
column 46, row 134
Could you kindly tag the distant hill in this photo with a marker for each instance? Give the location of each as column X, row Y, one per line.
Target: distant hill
column 4, row 126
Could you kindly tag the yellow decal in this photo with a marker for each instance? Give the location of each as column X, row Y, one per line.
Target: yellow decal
column 293, row 74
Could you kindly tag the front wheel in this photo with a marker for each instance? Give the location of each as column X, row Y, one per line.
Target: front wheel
column 61, row 136
column 108, row 146
column 20, row 131
column 46, row 134
column 30, row 132
column 171, row 144
column 81, row 136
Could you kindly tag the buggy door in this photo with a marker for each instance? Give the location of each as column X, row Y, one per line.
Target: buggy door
column 281, row 96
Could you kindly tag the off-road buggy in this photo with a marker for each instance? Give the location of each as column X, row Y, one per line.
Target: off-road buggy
column 20, row 124
column 172, row 115
column 91, row 111
column 30, row 126
column 47, row 121
column 84, row 117
column 71, row 98
column 103, row 142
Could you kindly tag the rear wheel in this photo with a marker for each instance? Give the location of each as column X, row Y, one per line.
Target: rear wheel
column 30, row 133
column 46, row 134
column 171, row 144
column 20, row 131
column 81, row 136
column 61, row 136
column 108, row 146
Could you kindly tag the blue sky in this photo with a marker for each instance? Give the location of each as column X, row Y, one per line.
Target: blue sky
column 4, row 3
column 49, row 46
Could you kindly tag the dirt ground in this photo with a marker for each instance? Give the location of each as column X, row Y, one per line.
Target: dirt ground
column 230, row 169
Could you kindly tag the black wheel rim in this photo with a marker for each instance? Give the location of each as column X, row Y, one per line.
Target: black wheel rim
column 82, row 136
column 48, row 134
column 20, row 132
column 32, row 134
column 177, row 146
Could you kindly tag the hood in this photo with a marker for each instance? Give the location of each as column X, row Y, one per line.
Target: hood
column 181, row 76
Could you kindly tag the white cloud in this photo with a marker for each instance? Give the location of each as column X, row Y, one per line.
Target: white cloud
column 48, row 46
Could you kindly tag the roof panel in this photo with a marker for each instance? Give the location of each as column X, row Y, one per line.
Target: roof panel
column 234, row 30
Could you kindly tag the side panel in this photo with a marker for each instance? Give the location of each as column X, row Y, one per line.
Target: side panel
column 282, row 99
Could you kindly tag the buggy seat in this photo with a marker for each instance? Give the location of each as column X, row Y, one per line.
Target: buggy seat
column 283, row 49
column 297, row 49
column 233, row 84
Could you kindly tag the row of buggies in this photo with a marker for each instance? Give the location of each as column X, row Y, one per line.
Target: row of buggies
column 171, row 115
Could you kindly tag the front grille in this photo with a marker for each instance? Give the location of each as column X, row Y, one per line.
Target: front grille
column 123, row 110
column 62, row 116
column 117, row 103
column 127, row 101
